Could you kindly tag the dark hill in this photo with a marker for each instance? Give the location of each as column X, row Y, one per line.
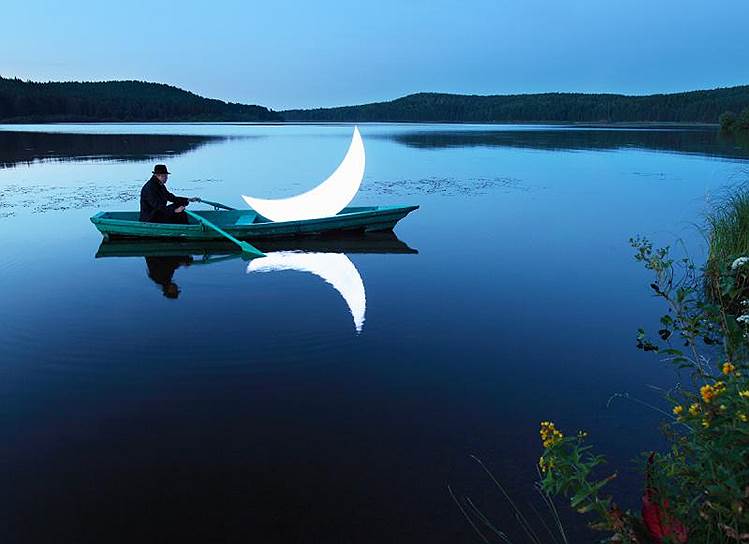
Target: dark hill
column 686, row 107
column 124, row 101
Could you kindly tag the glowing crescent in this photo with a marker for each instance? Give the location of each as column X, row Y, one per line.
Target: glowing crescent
column 335, row 268
column 325, row 200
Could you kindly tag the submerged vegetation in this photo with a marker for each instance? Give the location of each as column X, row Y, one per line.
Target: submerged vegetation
column 697, row 490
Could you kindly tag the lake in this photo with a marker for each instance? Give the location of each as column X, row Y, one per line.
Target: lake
column 198, row 397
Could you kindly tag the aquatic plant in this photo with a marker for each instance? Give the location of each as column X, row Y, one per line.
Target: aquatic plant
column 697, row 490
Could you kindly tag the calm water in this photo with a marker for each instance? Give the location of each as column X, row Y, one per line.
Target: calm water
column 250, row 408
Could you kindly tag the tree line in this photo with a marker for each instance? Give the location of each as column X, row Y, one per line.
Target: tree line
column 737, row 124
column 123, row 101
column 686, row 107
column 133, row 101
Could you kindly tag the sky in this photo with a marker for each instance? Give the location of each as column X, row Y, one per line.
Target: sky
column 323, row 53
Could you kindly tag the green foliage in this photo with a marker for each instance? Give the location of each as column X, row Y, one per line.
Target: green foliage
column 729, row 229
column 26, row 101
column 568, row 467
column 732, row 123
column 742, row 121
column 688, row 107
column 727, row 121
column 698, row 489
column 728, row 240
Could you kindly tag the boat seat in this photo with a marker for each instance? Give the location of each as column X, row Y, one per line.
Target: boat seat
column 246, row 219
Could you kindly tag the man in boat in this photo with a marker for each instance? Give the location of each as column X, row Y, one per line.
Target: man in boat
column 154, row 197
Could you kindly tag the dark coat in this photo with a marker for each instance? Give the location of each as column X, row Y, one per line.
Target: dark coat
column 153, row 198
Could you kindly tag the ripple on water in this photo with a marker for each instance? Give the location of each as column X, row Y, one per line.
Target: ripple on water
column 46, row 198
column 88, row 352
column 446, row 186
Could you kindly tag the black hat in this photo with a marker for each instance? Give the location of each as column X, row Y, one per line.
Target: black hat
column 171, row 291
column 160, row 169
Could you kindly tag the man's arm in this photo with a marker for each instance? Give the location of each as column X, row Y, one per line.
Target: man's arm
column 179, row 200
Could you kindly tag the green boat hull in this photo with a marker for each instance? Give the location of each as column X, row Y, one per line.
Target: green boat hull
column 248, row 225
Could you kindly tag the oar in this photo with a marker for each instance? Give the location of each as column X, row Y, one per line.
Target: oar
column 247, row 249
column 215, row 204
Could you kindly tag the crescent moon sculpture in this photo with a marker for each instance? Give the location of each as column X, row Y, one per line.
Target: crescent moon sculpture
column 335, row 268
column 327, row 199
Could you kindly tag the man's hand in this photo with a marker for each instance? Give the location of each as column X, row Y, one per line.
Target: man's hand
column 179, row 210
column 194, row 199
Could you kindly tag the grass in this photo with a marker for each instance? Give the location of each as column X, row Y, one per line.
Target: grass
column 728, row 225
column 537, row 531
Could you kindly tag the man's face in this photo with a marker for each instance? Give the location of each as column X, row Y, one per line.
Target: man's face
column 162, row 177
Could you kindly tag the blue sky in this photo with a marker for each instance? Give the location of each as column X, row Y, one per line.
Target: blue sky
column 323, row 53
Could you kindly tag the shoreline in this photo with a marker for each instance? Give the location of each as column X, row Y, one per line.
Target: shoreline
column 618, row 124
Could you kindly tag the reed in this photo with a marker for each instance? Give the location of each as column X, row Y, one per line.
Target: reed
column 728, row 229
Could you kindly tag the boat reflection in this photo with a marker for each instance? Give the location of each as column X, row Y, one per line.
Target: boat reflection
column 213, row 250
column 324, row 257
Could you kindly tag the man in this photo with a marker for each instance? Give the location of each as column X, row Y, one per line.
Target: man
column 154, row 196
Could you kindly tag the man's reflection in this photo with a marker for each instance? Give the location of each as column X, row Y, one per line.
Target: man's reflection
column 161, row 270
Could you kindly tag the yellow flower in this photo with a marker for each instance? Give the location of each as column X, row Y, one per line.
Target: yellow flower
column 723, row 408
column 728, row 368
column 709, row 392
column 549, row 434
column 742, row 416
column 678, row 409
column 545, row 464
column 705, row 423
column 744, row 394
column 694, row 409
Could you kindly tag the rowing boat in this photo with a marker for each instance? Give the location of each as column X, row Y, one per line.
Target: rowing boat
column 249, row 225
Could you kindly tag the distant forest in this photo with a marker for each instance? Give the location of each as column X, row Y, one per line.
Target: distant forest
column 128, row 101
column 139, row 101
column 687, row 107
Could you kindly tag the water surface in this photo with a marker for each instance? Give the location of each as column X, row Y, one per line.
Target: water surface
column 267, row 404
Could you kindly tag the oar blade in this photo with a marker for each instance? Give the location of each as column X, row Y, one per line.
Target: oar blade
column 250, row 251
